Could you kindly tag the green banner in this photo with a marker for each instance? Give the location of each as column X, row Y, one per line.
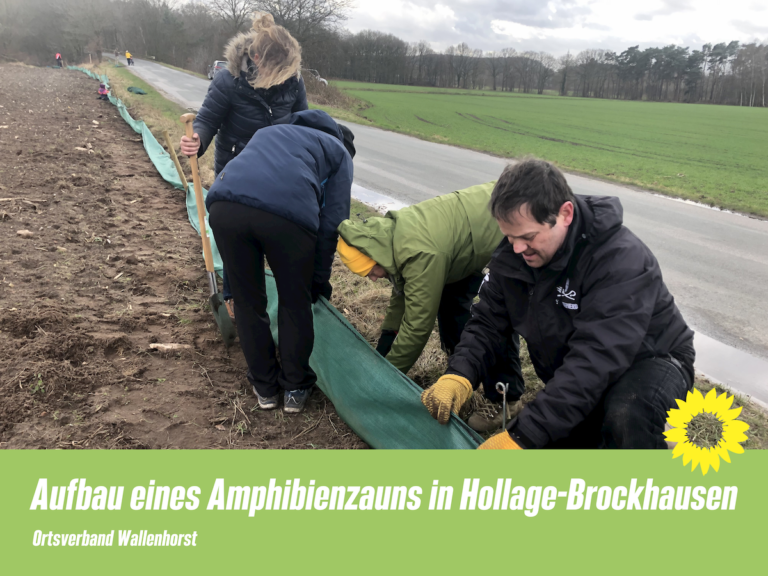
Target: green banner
column 459, row 512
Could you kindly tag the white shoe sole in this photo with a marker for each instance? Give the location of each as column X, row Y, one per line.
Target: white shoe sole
column 265, row 405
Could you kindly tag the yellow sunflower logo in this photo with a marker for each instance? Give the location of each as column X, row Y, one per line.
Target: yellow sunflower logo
column 705, row 429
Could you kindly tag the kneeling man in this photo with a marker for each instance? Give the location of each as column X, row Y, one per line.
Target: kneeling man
column 434, row 253
column 603, row 332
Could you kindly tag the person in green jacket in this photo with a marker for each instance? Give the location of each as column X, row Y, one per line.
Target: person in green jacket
column 434, row 254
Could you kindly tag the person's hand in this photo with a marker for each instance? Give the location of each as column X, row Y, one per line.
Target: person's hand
column 190, row 146
column 323, row 289
column 447, row 394
column 500, row 441
column 386, row 340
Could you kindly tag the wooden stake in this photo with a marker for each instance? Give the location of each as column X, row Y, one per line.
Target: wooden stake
column 172, row 152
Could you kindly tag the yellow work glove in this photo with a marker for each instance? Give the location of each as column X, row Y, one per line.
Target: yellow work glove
column 501, row 441
column 446, row 395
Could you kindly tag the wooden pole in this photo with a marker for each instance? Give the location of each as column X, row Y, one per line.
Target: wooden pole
column 187, row 119
column 172, row 152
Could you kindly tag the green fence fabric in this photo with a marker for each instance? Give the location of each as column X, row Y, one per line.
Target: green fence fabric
column 373, row 397
column 376, row 400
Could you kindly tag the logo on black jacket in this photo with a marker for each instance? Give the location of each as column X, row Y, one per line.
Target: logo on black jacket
column 566, row 294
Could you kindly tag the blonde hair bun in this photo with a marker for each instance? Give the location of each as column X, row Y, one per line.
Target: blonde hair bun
column 262, row 21
column 279, row 54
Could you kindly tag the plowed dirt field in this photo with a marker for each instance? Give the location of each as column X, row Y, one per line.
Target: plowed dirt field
column 97, row 262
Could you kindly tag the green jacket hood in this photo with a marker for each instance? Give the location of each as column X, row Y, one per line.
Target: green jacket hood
column 374, row 238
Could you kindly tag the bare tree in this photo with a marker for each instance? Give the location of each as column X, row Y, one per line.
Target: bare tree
column 460, row 62
column 565, row 65
column 236, row 13
column 495, row 65
column 422, row 50
column 305, row 18
column 544, row 68
column 508, row 70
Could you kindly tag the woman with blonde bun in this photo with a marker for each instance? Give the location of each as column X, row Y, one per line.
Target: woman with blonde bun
column 262, row 83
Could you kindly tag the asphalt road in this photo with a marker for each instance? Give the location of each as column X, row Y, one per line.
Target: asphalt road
column 714, row 263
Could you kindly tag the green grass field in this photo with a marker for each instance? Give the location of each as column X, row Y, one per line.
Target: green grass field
column 710, row 154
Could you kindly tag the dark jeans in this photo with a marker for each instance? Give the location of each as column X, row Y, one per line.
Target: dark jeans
column 245, row 236
column 632, row 413
column 453, row 315
column 226, row 291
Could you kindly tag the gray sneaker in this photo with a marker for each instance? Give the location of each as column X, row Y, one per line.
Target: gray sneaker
column 294, row 400
column 267, row 402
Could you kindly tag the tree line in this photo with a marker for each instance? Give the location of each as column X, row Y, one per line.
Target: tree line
column 193, row 34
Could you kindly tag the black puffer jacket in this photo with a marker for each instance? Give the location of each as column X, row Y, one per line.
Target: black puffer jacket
column 598, row 307
column 233, row 111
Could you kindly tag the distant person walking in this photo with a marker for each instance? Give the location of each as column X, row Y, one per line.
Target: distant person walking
column 128, row 58
column 263, row 84
column 59, row 60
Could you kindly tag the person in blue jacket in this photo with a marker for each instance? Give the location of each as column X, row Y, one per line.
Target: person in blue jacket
column 262, row 83
column 282, row 197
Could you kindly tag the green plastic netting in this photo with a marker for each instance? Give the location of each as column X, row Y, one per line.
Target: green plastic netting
column 375, row 399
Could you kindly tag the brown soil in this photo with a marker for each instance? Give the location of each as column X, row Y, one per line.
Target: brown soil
column 112, row 265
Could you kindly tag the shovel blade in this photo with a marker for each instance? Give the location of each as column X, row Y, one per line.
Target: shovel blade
column 223, row 320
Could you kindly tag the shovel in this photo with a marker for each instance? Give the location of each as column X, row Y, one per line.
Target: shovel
column 219, row 309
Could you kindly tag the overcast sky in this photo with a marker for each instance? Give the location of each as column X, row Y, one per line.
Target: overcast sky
column 561, row 25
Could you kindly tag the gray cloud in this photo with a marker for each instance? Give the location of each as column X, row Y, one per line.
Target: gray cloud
column 669, row 7
column 596, row 26
column 473, row 26
column 530, row 13
column 473, row 22
column 760, row 31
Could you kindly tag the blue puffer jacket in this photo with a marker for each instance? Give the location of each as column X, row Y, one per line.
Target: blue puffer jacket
column 233, row 111
column 299, row 170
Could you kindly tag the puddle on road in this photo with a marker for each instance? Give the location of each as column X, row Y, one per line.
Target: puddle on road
column 375, row 200
column 736, row 369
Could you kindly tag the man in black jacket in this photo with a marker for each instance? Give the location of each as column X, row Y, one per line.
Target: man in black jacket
column 603, row 332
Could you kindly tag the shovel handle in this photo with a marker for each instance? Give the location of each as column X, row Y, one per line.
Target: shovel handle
column 187, row 119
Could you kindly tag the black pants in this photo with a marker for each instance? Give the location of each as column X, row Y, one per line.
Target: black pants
column 632, row 413
column 244, row 236
column 453, row 315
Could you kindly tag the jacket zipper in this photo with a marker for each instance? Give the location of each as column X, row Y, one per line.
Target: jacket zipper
column 533, row 308
column 258, row 99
